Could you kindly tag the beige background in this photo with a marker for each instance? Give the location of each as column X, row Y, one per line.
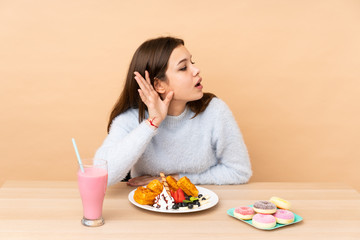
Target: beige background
column 287, row 69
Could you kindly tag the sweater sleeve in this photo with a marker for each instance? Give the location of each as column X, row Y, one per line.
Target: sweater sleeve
column 123, row 146
column 233, row 163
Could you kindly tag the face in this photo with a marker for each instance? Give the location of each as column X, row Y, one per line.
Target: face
column 183, row 77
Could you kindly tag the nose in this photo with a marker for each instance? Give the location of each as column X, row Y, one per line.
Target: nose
column 196, row 71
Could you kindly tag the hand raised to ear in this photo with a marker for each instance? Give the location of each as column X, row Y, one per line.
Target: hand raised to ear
column 157, row 107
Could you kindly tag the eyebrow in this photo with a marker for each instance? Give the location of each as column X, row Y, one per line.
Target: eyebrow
column 183, row 60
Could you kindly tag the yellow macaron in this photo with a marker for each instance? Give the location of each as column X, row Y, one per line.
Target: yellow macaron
column 280, row 203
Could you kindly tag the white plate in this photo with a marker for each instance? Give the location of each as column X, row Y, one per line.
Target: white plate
column 213, row 200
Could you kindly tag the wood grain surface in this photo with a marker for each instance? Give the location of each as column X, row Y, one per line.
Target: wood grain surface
column 52, row 210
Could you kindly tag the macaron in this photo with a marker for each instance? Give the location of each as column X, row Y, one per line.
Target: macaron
column 244, row 213
column 280, row 203
column 264, row 207
column 263, row 221
column 284, row 216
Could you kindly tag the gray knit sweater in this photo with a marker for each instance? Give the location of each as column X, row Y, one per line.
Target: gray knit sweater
column 208, row 149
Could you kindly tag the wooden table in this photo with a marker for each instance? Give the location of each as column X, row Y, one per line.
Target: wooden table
column 52, row 210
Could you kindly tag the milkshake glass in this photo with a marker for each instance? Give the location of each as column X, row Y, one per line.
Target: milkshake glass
column 92, row 187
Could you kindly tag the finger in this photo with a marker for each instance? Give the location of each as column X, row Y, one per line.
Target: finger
column 139, row 178
column 138, row 182
column 142, row 85
column 142, row 96
column 141, row 81
column 147, row 77
column 132, row 184
column 146, row 81
column 168, row 98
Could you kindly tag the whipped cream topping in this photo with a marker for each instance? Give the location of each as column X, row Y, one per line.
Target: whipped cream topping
column 164, row 201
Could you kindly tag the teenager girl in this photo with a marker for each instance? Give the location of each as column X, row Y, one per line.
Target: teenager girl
column 163, row 122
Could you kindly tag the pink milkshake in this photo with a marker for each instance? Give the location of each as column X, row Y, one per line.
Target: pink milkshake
column 92, row 187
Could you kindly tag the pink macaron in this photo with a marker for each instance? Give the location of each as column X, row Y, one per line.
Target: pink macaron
column 284, row 216
column 264, row 221
column 245, row 213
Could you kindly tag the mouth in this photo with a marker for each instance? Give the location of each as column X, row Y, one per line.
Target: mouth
column 198, row 84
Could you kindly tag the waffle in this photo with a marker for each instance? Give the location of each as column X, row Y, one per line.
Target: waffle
column 172, row 183
column 144, row 196
column 156, row 186
column 188, row 187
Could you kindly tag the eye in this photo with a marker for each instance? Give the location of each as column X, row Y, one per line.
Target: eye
column 183, row 68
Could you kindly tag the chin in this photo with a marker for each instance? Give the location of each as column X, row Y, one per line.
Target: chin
column 192, row 98
column 200, row 96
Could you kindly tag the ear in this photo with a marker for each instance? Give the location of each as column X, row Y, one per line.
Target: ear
column 159, row 86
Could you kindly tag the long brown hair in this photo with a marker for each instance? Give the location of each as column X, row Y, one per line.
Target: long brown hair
column 153, row 56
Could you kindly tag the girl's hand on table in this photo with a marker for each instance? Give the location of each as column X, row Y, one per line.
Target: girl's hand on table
column 157, row 107
column 141, row 180
column 144, row 180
